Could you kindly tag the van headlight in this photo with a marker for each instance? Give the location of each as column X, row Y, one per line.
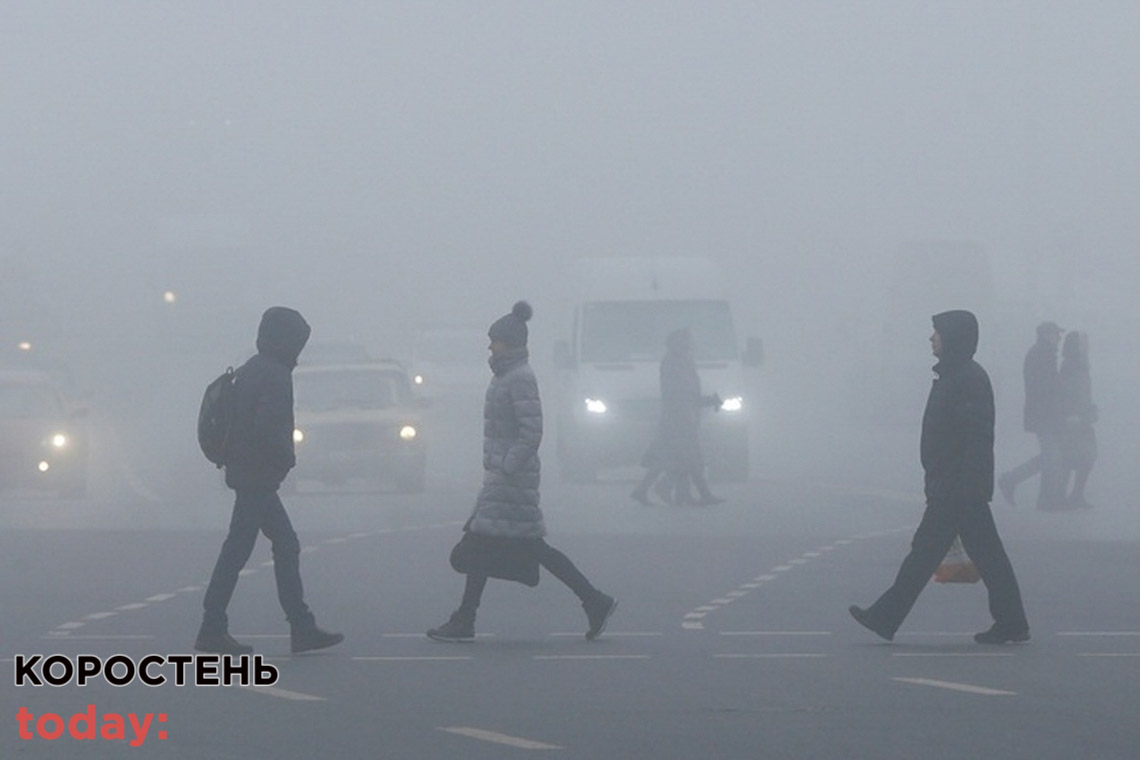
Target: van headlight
column 595, row 406
column 732, row 404
column 59, row 441
column 298, row 435
column 408, row 433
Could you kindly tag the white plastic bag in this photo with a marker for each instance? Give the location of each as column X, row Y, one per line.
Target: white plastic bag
column 957, row 567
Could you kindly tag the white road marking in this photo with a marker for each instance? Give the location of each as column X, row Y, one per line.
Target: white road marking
column 273, row 691
column 811, row 554
column 772, row 656
column 610, row 634
column 781, row 568
column 425, row 658
column 422, row 635
column 763, row 578
column 953, row 654
column 100, row 615
column 751, row 585
column 775, row 633
column 159, row 597
column 497, row 738
column 93, row 637
column 953, row 686
column 190, row 589
column 71, row 626
column 797, row 561
column 591, row 657
column 695, row 615
column 723, row 600
column 736, row 594
column 129, row 607
column 690, row 626
column 1108, row 654
column 1098, row 633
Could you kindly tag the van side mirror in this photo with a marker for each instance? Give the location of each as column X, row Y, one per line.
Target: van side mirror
column 753, row 355
column 563, row 359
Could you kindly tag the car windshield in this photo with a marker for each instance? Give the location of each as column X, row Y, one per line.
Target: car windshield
column 22, row 401
column 349, row 389
column 622, row 331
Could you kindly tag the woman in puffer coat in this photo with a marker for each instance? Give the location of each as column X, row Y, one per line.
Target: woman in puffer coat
column 504, row 538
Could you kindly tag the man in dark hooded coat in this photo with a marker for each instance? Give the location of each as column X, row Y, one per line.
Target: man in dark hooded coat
column 957, row 452
column 259, row 455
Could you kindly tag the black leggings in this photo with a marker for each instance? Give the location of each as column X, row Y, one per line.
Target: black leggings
column 556, row 563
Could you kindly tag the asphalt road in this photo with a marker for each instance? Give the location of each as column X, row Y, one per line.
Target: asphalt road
column 732, row 638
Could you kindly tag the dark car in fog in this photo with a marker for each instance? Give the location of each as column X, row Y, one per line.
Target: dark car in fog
column 43, row 435
column 357, row 422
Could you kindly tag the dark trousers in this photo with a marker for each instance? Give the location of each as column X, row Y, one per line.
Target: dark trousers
column 1049, row 462
column 257, row 511
column 975, row 524
column 556, row 563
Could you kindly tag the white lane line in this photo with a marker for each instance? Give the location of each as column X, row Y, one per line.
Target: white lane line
column 425, row 658
column 797, row 561
column 736, row 594
column 93, row 637
column 422, row 635
column 775, row 633
column 1098, row 633
column 691, row 626
column 953, row 686
column 764, row 578
column 190, row 589
column 100, row 615
column 695, row 615
column 811, row 554
column 610, row 634
column 723, row 600
column 273, row 691
column 1108, row 654
column 591, row 657
column 497, row 738
column 781, row 568
column 751, row 585
column 70, row 626
column 159, row 598
column 129, row 607
column 772, row 656
column 706, row 608
column 953, row 654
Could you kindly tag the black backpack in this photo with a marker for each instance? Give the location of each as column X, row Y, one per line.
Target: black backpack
column 216, row 417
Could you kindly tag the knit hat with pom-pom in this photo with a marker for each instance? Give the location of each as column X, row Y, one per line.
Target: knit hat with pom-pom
column 511, row 329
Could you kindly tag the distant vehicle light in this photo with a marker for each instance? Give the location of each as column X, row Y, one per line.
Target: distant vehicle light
column 418, row 379
column 170, row 297
column 595, row 406
column 25, row 345
column 298, row 436
column 732, row 404
column 59, row 441
column 407, row 433
column 43, row 467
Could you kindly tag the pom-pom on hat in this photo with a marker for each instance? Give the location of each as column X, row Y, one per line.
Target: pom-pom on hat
column 511, row 328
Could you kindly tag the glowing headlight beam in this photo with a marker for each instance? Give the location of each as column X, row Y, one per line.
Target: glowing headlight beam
column 59, row 441
column 407, row 433
column 298, row 436
column 732, row 404
column 595, row 406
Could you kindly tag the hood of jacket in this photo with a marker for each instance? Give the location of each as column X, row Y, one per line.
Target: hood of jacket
column 282, row 334
column 959, row 332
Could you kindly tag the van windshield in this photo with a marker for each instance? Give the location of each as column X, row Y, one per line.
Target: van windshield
column 624, row 331
column 358, row 389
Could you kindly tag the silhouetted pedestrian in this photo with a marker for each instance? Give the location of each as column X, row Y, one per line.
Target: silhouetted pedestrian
column 1042, row 418
column 1079, row 414
column 506, row 530
column 957, row 452
column 259, row 456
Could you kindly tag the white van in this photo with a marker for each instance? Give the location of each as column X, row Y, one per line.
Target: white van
column 609, row 391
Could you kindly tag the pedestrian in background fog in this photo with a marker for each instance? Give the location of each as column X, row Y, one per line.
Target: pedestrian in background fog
column 505, row 533
column 1042, row 418
column 677, row 450
column 259, row 456
column 1078, row 415
column 957, row 453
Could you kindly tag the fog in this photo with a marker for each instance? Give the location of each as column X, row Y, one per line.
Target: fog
column 383, row 166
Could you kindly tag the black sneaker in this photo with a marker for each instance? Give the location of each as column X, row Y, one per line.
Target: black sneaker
column 863, row 618
column 598, row 612
column 457, row 628
column 308, row 639
column 220, row 643
column 999, row 635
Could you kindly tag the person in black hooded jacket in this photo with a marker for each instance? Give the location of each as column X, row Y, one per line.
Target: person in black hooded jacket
column 957, row 453
column 259, row 455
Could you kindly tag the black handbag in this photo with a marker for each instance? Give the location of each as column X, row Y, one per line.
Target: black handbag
column 509, row 559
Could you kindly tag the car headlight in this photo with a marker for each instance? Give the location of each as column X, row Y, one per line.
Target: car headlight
column 298, row 436
column 407, row 433
column 59, row 441
column 595, row 406
column 418, row 379
column 732, row 404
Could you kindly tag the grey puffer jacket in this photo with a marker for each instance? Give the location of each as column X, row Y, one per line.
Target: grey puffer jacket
column 512, row 431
